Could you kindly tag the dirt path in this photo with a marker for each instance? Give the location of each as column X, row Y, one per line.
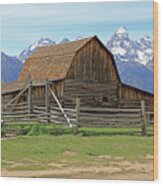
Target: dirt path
column 120, row 169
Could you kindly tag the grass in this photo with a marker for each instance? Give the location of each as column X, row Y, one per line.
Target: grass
column 46, row 149
column 51, row 129
column 60, row 152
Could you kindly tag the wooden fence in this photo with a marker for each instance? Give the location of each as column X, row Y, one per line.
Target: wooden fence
column 109, row 117
column 20, row 114
column 54, row 115
column 17, row 114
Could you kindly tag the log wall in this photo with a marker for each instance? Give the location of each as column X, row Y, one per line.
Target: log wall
column 130, row 98
column 91, row 93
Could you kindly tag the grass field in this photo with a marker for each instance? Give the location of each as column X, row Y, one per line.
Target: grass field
column 79, row 156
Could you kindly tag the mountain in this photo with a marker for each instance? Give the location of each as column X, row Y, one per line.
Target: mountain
column 10, row 68
column 65, row 40
column 125, row 49
column 136, row 75
column 134, row 59
column 150, row 65
column 28, row 52
column 78, row 38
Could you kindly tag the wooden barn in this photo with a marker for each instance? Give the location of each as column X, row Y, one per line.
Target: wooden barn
column 82, row 69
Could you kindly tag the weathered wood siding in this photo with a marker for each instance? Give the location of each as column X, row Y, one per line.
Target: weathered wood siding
column 92, row 76
column 5, row 98
column 93, row 63
column 131, row 97
column 38, row 94
column 91, row 93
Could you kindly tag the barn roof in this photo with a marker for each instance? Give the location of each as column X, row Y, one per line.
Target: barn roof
column 11, row 86
column 52, row 62
column 16, row 86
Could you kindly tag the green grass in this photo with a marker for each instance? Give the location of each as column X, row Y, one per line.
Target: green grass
column 58, row 148
column 51, row 129
column 74, row 149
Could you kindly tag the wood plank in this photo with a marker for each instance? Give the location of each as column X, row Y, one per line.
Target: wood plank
column 110, row 110
column 144, row 130
column 84, row 118
column 110, row 125
column 109, row 116
column 17, row 96
column 39, row 108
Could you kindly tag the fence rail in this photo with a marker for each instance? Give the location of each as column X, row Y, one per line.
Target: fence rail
column 19, row 113
column 102, row 117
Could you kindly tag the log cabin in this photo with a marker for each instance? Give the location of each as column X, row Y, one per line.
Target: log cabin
column 83, row 68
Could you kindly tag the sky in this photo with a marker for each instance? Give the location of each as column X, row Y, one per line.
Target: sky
column 23, row 24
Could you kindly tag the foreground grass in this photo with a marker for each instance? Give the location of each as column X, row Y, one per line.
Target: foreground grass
column 75, row 149
column 78, row 156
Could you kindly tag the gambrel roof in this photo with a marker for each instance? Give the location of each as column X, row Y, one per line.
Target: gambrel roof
column 52, row 62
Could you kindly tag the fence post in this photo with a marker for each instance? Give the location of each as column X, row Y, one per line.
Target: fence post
column 119, row 94
column 47, row 99
column 30, row 96
column 144, row 128
column 77, row 113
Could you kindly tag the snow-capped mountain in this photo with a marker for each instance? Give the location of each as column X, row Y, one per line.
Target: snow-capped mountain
column 134, row 58
column 27, row 52
column 78, row 38
column 125, row 49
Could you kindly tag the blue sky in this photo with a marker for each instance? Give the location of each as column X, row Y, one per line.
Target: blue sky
column 23, row 24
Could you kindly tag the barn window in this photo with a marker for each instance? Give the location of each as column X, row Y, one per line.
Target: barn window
column 105, row 99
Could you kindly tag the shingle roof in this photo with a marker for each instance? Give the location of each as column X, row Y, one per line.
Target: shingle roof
column 51, row 62
column 12, row 86
column 15, row 86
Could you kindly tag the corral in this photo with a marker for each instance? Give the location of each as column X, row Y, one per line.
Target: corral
column 75, row 83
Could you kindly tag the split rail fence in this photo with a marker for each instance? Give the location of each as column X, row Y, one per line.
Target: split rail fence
column 19, row 114
column 25, row 113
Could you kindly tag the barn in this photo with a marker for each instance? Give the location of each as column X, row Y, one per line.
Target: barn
column 82, row 69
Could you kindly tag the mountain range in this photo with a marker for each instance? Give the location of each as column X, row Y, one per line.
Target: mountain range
column 126, row 50
column 28, row 51
column 134, row 59
column 10, row 68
